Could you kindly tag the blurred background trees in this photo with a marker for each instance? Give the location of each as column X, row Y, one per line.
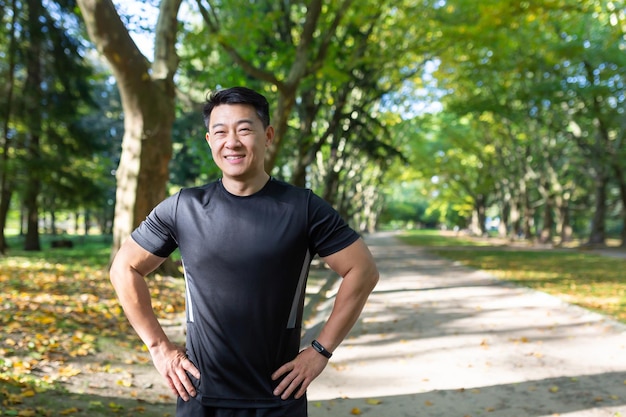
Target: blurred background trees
column 498, row 117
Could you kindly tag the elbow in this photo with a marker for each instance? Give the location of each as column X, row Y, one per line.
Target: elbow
column 373, row 276
column 115, row 273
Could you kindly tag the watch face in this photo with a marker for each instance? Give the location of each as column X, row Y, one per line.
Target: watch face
column 321, row 349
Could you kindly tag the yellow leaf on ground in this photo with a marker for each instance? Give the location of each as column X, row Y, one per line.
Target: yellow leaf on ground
column 29, row 412
column 373, row 401
column 28, row 393
column 124, row 383
column 14, row 399
column 69, row 371
column 554, row 388
column 115, row 407
column 428, row 403
column 69, row 411
column 355, row 411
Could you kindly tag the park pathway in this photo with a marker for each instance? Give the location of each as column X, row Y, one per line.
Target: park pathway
column 439, row 339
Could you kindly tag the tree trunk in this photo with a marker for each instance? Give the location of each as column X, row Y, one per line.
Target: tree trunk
column 597, row 235
column 479, row 216
column 32, row 90
column 148, row 100
column 5, row 202
column 565, row 228
column 53, row 223
column 32, row 243
column 505, row 214
column 6, row 186
column 286, row 101
column 545, row 236
column 527, row 219
column 621, row 182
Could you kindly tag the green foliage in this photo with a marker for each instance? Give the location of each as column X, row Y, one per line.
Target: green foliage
column 531, row 95
column 406, row 204
column 57, row 133
column 532, row 98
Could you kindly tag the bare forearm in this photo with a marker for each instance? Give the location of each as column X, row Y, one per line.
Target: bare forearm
column 351, row 298
column 134, row 296
column 128, row 270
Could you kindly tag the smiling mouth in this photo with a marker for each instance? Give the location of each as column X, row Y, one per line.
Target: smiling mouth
column 233, row 157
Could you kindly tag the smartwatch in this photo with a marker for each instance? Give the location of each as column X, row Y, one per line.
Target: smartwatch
column 321, row 349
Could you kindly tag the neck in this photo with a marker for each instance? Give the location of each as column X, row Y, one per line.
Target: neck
column 245, row 188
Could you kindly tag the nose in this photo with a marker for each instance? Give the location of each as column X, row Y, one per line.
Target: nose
column 232, row 141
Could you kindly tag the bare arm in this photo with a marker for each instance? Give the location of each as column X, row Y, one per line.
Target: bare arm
column 360, row 275
column 128, row 270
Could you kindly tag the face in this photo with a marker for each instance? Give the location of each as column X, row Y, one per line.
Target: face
column 238, row 142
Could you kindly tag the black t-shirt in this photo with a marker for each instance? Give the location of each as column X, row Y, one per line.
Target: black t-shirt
column 246, row 262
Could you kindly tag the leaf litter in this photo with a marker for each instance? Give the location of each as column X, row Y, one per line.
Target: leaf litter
column 61, row 328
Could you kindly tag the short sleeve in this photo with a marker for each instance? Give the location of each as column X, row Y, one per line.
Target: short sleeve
column 329, row 233
column 157, row 233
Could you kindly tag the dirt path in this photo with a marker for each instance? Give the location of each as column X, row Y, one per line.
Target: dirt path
column 438, row 339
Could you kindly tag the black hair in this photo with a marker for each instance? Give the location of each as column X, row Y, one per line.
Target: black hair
column 237, row 95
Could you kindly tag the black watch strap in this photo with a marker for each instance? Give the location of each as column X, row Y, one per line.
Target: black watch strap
column 321, row 349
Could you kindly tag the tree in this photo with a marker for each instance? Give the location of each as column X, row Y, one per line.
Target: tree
column 6, row 173
column 48, row 84
column 546, row 73
column 302, row 38
column 147, row 90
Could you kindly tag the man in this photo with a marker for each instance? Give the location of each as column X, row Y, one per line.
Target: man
column 246, row 242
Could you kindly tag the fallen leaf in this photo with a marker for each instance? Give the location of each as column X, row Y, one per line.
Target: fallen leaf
column 115, row 407
column 28, row 393
column 355, row 411
column 124, row 383
column 554, row 388
column 69, row 371
column 373, row 401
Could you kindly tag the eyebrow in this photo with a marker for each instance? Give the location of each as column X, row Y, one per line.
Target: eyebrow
column 239, row 122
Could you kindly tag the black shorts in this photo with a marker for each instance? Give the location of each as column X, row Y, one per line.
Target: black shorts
column 193, row 408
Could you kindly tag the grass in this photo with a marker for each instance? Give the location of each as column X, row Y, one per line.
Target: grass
column 433, row 238
column 584, row 278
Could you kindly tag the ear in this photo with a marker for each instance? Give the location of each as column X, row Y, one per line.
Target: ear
column 207, row 139
column 269, row 136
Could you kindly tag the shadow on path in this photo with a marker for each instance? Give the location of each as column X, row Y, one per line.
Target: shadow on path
column 439, row 339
